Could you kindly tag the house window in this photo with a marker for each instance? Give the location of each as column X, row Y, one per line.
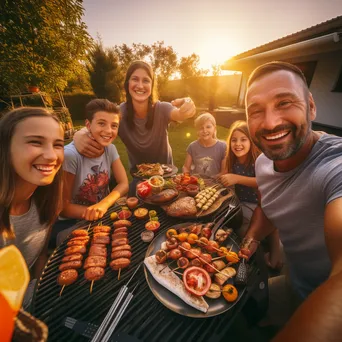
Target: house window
column 308, row 69
column 338, row 85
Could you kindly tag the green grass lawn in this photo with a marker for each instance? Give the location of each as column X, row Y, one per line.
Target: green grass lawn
column 180, row 136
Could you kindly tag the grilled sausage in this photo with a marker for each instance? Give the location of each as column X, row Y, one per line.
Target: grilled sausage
column 73, row 257
column 101, row 234
column 94, row 273
column 67, row 277
column 121, row 248
column 95, row 261
column 122, row 223
column 120, row 230
column 79, row 232
column 70, row 265
column 102, row 229
column 100, row 240
column 119, row 263
column 119, row 235
column 80, row 238
column 98, row 251
column 120, row 242
column 75, row 249
column 121, row 254
column 77, row 243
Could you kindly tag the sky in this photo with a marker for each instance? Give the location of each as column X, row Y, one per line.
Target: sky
column 213, row 29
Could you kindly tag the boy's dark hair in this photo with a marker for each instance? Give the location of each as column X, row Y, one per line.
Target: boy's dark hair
column 100, row 105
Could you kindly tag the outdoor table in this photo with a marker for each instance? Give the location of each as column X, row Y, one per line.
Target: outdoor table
column 145, row 319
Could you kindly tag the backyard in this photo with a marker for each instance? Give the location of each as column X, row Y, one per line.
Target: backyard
column 180, row 136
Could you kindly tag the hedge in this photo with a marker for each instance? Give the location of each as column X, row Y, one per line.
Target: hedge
column 76, row 103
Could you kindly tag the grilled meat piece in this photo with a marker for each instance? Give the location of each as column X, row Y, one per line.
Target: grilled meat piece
column 120, row 242
column 120, row 235
column 95, row 261
column 119, row 263
column 185, row 206
column 102, row 229
column 73, row 257
column 121, row 248
column 75, row 249
column 77, row 243
column 70, row 265
column 121, row 254
column 122, row 223
column 94, row 273
column 98, row 251
column 120, row 230
column 79, row 232
column 164, row 196
column 105, row 240
column 67, row 277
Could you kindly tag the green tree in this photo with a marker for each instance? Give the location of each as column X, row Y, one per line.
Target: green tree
column 105, row 74
column 189, row 67
column 41, row 43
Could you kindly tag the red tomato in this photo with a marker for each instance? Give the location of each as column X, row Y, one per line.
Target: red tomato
column 144, row 189
column 196, row 280
column 124, row 214
column 152, row 225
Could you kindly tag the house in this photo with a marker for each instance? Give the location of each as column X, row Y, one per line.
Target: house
column 317, row 51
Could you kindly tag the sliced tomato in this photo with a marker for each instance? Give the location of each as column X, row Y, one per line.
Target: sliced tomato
column 196, row 280
column 152, row 225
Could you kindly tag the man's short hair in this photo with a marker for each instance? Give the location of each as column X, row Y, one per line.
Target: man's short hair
column 270, row 67
column 100, row 105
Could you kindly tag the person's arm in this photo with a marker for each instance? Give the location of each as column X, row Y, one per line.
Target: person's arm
column 97, row 210
column 70, row 210
column 185, row 109
column 231, row 179
column 87, row 146
column 319, row 318
column 187, row 163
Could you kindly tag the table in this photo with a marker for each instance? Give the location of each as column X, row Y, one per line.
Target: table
column 146, row 319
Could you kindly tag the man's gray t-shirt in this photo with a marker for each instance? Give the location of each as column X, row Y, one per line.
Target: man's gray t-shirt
column 92, row 175
column 30, row 234
column 147, row 146
column 207, row 161
column 295, row 203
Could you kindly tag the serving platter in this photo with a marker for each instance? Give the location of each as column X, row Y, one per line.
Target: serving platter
column 165, row 175
column 174, row 303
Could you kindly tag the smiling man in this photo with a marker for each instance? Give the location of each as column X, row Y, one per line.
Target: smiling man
column 299, row 178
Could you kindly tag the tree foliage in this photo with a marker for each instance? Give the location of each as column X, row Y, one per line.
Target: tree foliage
column 41, row 42
column 189, row 67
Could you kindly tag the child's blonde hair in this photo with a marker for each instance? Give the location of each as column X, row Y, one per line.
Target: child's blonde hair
column 253, row 153
column 201, row 119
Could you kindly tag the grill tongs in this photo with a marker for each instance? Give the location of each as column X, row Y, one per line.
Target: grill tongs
column 104, row 328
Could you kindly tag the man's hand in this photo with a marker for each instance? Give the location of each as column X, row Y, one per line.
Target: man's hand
column 95, row 212
column 186, row 108
column 87, row 146
column 229, row 179
column 248, row 247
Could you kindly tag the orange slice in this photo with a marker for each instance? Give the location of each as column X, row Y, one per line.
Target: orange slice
column 14, row 276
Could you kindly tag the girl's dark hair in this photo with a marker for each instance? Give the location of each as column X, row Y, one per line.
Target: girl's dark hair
column 151, row 100
column 48, row 198
column 253, row 153
column 100, row 105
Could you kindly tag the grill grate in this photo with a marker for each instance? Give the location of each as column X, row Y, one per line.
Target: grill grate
column 145, row 318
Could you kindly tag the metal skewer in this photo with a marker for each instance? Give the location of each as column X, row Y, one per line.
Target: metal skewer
column 114, row 307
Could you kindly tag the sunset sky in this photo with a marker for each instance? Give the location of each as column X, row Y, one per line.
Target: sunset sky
column 213, row 29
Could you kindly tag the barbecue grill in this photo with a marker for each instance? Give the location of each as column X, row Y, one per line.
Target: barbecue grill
column 146, row 318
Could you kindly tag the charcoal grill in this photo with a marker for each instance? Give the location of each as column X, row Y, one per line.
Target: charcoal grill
column 146, row 318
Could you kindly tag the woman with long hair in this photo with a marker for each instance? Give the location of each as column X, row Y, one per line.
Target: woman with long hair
column 144, row 125
column 32, row 152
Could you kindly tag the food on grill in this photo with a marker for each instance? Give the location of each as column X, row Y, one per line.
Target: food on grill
column 141, row 213
column 224, row 275
column 103, row 240
column 147, row 236
column 70, row 265
column 94, row 273
column 164, row 276
column 149, row 169
column 79, row 232
column 101, row 234
column 121, row 254
column 124, row 214
column 182, row 207
column 121, row 230
column 114, row 216
column 80, row 238
column 98, row 251
column 230, row 293
column 77, row 243
column 152, row 226
column 102, row 229
column 119, row 263
column 67, row 277
column 175, row 254
column 120, row 242
column 214, row 291
column 132, row 202
column 119, row 235
column 164, row 196
column 75, row 249
column 183, row 262
column 73, row 257
column 122, row 223
column 121, row 248
column 95, row 261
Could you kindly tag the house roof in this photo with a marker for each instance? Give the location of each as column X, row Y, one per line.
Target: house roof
column 315, row 31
